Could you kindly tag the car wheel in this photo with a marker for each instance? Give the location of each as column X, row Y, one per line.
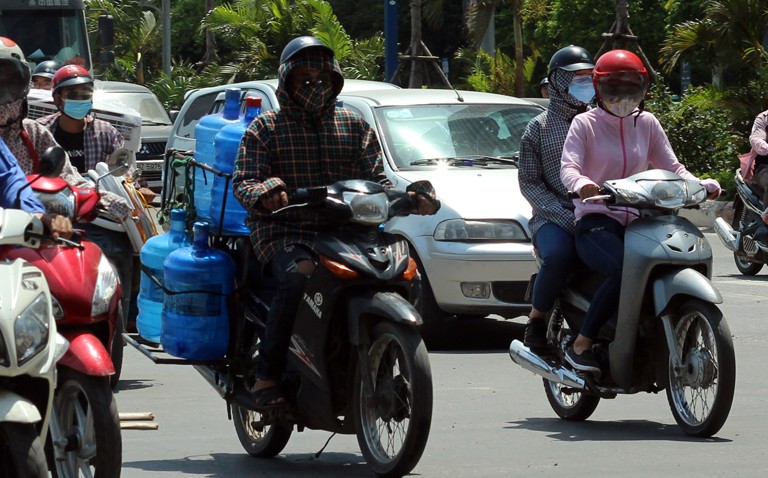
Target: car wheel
column 434, row 318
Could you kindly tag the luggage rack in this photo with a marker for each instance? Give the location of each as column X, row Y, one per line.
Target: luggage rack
column 158, row 355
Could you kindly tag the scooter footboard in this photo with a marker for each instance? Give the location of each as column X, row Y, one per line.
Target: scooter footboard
column 390, row 305
column 87, row 354
column 688, row 282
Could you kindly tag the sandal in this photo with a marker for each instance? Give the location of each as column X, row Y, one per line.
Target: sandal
column 268, row 397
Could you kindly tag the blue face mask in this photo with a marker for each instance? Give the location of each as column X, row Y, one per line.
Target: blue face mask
column 581, row 89
column 77, row 109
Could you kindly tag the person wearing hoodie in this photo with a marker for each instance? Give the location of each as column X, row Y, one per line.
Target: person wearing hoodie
column 308, row 142
column 613, row 141
column 552, row 222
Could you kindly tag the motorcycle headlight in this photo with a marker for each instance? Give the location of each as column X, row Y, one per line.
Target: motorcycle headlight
column 31, row 329
column 493, row 231
column 106, row 285
column 368, row 208
column 62, row 202
column 666, row 194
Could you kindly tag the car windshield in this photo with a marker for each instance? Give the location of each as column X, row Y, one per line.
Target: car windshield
column 434, row 135
column 150, row 109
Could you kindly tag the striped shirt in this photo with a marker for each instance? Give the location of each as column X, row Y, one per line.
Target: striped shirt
column 100, row 138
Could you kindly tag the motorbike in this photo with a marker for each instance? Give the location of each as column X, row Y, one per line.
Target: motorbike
column 29, row 350
column 357, row 363
column 749, row 253
column 86, row 295
column 668, row 333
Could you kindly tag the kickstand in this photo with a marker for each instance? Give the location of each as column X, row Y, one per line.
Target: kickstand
column 317, row 455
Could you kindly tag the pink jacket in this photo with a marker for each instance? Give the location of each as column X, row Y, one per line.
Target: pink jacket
column 600, row 147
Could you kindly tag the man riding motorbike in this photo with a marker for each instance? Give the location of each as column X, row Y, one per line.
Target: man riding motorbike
column 308, row 142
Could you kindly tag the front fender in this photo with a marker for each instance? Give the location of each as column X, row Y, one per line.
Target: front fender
column 17, row 409
column 387, row 305
column 87, row 354
column 688, row 282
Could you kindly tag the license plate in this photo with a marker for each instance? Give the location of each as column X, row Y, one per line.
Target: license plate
column 149, row 166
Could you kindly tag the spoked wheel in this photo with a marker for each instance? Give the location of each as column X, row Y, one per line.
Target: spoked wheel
column 744, row 265
column 570, row 405
column 393, row 421
column 87, row 414
column 21, row 451
column 700, row 395
column 261, row 441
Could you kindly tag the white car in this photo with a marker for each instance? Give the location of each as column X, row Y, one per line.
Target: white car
column 474, row 255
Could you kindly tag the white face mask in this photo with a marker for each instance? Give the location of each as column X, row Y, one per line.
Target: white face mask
column 621, row 107
column 581, row 89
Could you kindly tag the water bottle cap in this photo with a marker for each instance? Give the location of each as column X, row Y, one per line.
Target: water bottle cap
column 252, row 101
column 178, row 215
column 202, row 227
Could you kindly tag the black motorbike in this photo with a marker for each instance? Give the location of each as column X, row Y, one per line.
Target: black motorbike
column 357, row 363
column 747, row 234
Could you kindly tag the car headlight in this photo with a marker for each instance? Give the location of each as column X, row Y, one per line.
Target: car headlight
column 367, row 208
column 31, row 329
column 62, row 202
column 106, row 285
column 490, row 230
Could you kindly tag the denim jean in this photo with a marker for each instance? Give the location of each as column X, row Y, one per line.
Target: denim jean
column 557, row 251
column 273, row 349
column 600, row 244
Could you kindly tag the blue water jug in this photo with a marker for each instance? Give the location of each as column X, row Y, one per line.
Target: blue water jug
column 226, row 143
column 196, row 322
column 153, row 254
column 205, row 132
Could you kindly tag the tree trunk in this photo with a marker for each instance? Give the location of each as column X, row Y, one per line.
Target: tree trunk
column 518, row 31
column 210, row 55
column 415, row 80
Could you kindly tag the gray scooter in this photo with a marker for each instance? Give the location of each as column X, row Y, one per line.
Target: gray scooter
column 668, row 333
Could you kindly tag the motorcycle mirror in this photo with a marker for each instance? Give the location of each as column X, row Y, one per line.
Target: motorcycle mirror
column 120, row 161
column 52, row 162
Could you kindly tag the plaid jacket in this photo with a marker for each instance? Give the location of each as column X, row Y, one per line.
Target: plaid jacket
column 290, row 149
column 101, row 138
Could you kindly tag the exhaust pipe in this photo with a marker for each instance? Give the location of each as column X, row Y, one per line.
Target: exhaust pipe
column 727, row 235
column 522, row 355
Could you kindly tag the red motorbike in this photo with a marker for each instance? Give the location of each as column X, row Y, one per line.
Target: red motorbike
column 86, row 295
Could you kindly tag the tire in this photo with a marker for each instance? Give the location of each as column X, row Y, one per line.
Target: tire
column 744, row 265
column 87, row 413
column 393, row 423
column 701, row 398
column 264, row 443
column 574, row 406
column 118, row 349
column 433, row 317
column 21, row 451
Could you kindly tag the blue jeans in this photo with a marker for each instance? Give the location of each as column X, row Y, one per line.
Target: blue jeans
column 557, row 250
column 600, row 244
column 273, row 349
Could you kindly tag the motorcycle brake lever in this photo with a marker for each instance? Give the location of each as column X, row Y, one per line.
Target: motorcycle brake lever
column 593, row 199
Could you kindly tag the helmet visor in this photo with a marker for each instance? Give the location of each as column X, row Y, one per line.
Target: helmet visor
column 622, row 86
column 13, row 85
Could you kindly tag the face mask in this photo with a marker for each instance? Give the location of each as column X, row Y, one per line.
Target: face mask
column 621, row 107
column 77, row 109
column 313, row 98
column 581, row 89
column 11, row 113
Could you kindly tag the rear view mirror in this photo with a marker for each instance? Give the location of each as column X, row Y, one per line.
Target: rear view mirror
column 52, row 162
column 120, row 161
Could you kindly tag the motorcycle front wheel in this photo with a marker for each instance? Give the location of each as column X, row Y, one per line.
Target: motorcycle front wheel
column 700, row 396
column 87, row 415
column 21, row 451
column 569, row 405
column 259, row 441
column 393, row 421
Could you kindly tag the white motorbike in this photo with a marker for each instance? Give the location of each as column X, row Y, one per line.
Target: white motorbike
column 29, row 350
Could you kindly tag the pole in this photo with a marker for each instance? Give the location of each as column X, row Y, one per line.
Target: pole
column 166, row 14
column 390, row 38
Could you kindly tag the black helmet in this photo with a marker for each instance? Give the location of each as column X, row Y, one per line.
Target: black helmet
column 46, row 68
column 302, row 43
column 571, row 58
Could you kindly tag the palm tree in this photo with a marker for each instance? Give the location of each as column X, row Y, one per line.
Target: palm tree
column 733, row 33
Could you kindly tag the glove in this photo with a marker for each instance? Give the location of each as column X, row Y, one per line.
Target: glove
column 711, row 185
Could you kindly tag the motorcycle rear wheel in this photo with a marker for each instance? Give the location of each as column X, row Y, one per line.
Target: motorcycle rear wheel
column 701, row 398
column 264, row 443
column 87, row 413
column 574, row 406
column 393, row 423
column 744, row 265
column 21, row 451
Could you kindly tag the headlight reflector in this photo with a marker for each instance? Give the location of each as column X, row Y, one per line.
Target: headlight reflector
column 106, row 285
column 368, row 208
column 62, row 202
column 31, row 329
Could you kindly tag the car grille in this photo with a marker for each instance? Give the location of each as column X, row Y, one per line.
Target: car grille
column 148, row 151
column 510, row 291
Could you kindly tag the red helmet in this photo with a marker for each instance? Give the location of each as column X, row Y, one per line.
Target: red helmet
column 620, row 76
column 69, row 75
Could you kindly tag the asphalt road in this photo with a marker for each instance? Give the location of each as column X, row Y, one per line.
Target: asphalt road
column 491, row 418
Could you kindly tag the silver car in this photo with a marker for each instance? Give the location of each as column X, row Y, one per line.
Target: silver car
column 474, row 255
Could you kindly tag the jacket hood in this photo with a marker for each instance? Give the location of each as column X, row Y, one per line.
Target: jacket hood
column 322, row 62
column 559, row 101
